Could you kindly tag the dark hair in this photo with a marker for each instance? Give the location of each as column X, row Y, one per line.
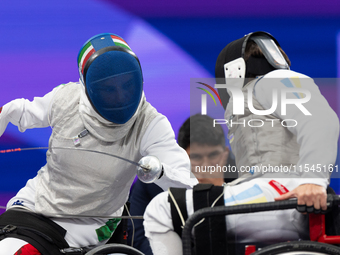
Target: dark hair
column 252, row 49
column 199, row 129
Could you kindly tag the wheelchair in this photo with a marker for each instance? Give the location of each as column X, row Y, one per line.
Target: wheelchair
column 114, row 249
column 320, row 243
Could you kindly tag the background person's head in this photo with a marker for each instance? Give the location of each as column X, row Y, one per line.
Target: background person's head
column 205, row 145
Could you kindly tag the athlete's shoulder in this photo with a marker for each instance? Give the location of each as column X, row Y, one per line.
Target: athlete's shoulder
column 282, row 73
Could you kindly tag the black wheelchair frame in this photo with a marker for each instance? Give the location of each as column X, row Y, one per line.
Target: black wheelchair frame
column 319, row 243
column 317, row 227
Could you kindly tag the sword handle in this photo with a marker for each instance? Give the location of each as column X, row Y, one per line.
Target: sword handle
column 150, row 169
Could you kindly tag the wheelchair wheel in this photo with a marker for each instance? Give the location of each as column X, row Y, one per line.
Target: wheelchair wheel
column 114, row 248
column 299, row 247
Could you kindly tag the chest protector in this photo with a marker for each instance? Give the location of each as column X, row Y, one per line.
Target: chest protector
column 84, row 183
column 210, row 235
column 254, row 145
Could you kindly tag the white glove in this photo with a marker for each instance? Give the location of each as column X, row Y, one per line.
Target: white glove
column 150, row 169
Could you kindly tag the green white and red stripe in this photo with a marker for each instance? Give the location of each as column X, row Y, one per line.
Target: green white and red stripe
column 84, row 55
column 118, row 41
column 88, row 50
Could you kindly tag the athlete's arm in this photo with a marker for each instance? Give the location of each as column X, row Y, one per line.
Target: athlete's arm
column 27, row 114
column 317, row 134
column 159, row 140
